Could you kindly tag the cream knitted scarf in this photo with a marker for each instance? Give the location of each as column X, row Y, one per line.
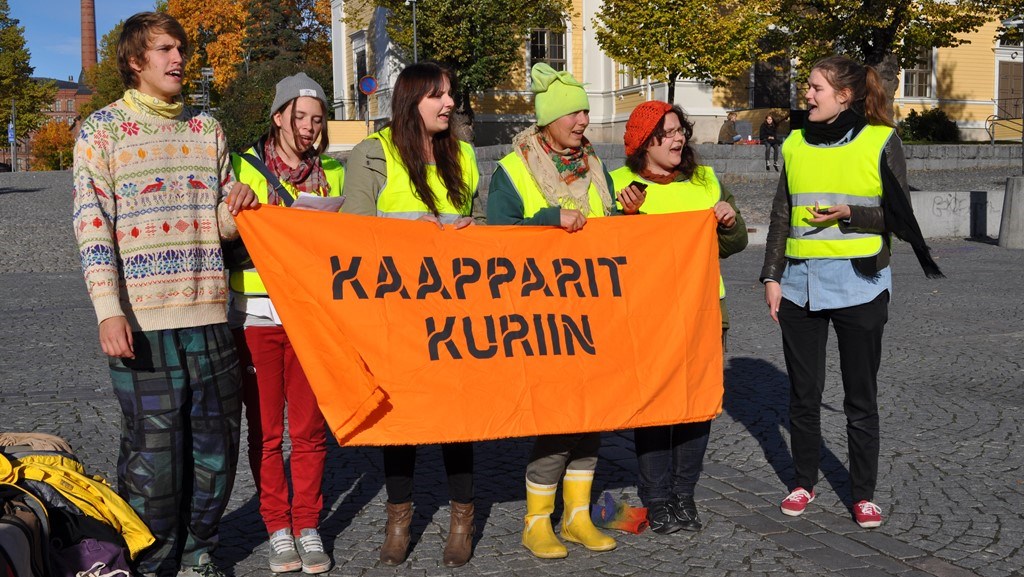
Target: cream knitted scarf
column 572, row 195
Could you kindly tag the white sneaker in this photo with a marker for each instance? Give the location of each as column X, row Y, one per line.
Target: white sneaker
column 283, row 556
column 311, row 551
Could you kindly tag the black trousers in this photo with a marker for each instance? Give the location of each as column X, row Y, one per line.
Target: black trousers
column 400, row 463
column 804, row 336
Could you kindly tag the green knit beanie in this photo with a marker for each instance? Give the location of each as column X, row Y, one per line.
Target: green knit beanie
column 556, row 94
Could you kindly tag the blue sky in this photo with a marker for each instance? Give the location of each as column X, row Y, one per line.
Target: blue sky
column 53, row 31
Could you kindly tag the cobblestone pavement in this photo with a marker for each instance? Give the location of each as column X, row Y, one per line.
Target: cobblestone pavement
column 952, row 390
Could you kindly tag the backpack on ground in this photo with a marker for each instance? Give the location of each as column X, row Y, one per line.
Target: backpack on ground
column 24, row 534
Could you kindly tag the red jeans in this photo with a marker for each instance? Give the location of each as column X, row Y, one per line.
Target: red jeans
column 272, row 377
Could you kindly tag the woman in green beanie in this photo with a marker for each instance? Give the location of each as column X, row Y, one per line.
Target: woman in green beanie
column 553, row 177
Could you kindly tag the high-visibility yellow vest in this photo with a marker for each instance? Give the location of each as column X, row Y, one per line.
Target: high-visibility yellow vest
column 845, row 174
column 533, row 198
column 398, row 198
column 247, row 281
column 686, row 196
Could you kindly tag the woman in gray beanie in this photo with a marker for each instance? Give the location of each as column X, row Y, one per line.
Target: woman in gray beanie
column 286, row 161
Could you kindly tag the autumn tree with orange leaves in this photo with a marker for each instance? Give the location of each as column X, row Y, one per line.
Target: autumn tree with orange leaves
column 216, row 29
column 52, row 146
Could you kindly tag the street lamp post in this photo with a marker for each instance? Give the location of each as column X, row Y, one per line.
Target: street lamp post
column 1017, row 22
column 415, row 46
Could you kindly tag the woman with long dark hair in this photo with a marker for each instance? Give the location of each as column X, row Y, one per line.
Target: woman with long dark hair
column 842, row 193
column 659, row 155
column 417, row 169
column 286, row 161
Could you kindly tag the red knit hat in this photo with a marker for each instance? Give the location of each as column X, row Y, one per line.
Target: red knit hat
column 642, row 122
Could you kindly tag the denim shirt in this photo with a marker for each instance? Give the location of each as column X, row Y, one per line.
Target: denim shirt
column 828, row 283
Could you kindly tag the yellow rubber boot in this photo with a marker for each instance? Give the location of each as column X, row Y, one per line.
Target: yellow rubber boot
column 538, row 535
column 576, row 524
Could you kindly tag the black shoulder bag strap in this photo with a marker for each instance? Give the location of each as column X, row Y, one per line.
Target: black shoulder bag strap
column 273, row 180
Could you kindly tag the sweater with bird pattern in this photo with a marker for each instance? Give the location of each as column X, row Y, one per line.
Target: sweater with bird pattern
column 147, row 195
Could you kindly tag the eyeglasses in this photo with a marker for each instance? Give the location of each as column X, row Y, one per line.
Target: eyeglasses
column 675, row 131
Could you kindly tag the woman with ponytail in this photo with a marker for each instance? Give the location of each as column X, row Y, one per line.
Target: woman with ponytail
column 842, row 194
column 416, row 169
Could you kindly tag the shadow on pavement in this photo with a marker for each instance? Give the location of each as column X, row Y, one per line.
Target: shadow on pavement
column 9, row 190
column 757, row 395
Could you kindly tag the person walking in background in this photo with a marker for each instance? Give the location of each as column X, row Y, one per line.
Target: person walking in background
column 287, row 160
column 769, row 136
column 417, row 169
column 151, row 206
column 842, row 192
column 727, row 134
column 553, row 177
column 659, row 155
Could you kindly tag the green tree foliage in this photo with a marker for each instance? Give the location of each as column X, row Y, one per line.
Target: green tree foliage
column 104, row 79
column 670, row 39
column 482, row 40
column 52, row 146
column 29, row 98
column 885, row 34
column 273, row 32
column 245, row 110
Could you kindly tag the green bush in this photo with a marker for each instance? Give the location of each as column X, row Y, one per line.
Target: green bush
column 931, row 126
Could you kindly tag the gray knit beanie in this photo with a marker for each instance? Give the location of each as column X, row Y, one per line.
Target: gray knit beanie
column 294, row 87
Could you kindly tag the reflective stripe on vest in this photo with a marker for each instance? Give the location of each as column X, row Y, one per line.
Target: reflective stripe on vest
column 686, row 196
column 533, row 199
column 247, row 281
column 398, row 197
column 830, row 175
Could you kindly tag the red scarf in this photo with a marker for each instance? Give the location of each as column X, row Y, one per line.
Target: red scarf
column 308, row 176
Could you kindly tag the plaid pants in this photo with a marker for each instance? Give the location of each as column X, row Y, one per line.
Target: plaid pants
column 181, row 408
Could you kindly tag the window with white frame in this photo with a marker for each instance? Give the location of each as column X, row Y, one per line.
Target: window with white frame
column 547, row 46
column 627, row 78
column 71, row 105
column 56, row 105
column 917, row 81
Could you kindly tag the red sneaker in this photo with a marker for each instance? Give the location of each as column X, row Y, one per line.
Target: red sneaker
column 797, row 501
column 867, row 514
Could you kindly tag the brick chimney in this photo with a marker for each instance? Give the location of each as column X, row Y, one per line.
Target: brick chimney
column 88, row 34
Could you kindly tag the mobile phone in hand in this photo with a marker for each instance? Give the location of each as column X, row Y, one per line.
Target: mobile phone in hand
column 640, row 185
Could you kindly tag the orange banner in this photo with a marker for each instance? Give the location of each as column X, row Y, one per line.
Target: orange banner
column 414, row 335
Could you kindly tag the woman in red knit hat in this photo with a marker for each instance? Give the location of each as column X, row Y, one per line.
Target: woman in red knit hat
column 659, row 155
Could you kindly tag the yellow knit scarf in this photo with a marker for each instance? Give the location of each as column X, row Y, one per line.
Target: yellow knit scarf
column 146, row 104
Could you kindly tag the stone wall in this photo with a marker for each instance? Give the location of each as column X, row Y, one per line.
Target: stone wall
column 743, row 163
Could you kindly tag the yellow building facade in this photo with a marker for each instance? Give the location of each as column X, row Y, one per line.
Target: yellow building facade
column 967, row 82
column 975, row 84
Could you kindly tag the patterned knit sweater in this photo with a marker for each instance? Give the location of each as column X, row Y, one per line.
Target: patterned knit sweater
column 147, row 194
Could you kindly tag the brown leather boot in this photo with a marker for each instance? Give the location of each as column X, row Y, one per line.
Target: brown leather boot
column 459, row 547
column 396, row 534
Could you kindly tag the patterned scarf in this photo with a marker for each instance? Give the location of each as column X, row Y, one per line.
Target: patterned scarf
column 308, row 176
column 564, row 178
column 146, row 104
column 573, row 163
